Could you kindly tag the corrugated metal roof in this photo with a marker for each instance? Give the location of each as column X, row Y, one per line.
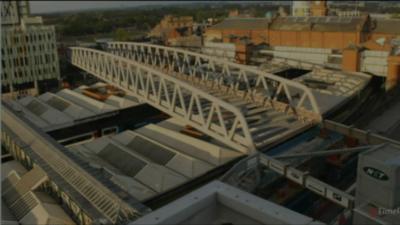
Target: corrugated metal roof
column 74, row 180
column 147, row 164
column 243, row 24
column 42, row 114
column 152, row 149
column 387, row 26
column 90, row 104
column 52, row 111
column 123, row 162
column 99, row 201
column 65, row 106
column 167, row 133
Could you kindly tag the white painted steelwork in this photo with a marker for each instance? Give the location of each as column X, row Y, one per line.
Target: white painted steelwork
column 207, row 113
column 240, row 79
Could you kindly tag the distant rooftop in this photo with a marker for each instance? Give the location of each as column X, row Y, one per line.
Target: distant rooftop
column 388, row 26
column 243, row 23
column 331, row 88
column 294, row 23
column 318, row 23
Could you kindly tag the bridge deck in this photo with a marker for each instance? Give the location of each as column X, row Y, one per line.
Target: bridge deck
column 266, row 125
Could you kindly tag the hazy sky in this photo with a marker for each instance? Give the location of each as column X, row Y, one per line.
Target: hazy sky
column 58, row 6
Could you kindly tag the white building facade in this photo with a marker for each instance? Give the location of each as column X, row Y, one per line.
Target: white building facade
column 28, row 51
column 301, row 8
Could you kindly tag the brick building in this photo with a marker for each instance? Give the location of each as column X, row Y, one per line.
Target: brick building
column 171, row 27
column 318, row 32
column 314, row 32
column 364, row 44
column 255, row 29
column 387, row 28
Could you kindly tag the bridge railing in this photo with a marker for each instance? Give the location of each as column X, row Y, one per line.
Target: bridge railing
column 209, row 114
column 266, row 88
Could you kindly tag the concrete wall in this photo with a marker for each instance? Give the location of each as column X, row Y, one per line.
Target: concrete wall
column 374, row 62
column 224, row 50
column 311, row 55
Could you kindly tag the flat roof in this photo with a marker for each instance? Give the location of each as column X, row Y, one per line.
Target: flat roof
column 220, row 203
column 336, row 86
column 153, row 159
column 331, row 88
column 51, row 111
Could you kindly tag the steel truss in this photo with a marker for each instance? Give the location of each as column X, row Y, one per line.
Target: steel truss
column 251, row 83
column 207, row 113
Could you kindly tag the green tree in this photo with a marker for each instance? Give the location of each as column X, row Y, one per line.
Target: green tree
column 121, row 35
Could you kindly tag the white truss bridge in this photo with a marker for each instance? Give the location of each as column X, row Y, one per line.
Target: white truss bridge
column 240, row 106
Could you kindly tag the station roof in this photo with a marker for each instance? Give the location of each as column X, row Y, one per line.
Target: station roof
column 316, row 23
column 100, row 198
column 331, row 88
column 243, row 24
column 23, row 203
column 220, row 203
column 153, row 159
column 55, row 110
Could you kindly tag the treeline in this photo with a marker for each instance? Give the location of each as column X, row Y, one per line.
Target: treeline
column 141, row 19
